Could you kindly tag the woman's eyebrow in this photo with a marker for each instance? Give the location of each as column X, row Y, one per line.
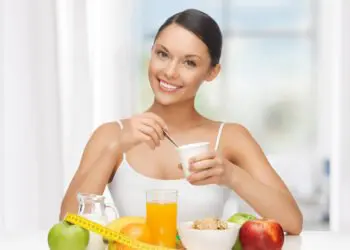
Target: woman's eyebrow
column 163, row 47
column 193, row 55
column 186, row 56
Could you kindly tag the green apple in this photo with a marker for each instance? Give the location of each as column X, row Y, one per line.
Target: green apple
column 240, row 218
column 237, row 245
column 66, row 236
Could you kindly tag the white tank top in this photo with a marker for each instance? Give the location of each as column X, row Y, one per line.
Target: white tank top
column 128, row 190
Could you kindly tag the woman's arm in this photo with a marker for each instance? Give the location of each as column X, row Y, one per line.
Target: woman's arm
column 99, row 160
column 255, row 181
column 104, row 151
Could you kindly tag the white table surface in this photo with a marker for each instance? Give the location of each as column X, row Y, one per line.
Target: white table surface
column 308, row 240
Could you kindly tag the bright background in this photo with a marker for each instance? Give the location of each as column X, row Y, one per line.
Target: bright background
column 71, row 65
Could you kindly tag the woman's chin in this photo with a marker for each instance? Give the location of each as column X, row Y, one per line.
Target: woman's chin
column 166, row 100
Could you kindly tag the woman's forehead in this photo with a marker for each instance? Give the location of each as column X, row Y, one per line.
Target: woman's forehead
column 181, row 41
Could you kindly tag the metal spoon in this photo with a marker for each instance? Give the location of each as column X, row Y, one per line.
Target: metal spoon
column 170, row 139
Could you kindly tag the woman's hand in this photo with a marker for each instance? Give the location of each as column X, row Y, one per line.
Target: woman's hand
column 210, row 168
column 146, row 127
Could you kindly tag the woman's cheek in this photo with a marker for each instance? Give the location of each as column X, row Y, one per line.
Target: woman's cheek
column 192, row 80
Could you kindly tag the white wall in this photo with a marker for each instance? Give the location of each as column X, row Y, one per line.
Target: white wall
column 338, row 38
column 1, row 111
column 341, row 142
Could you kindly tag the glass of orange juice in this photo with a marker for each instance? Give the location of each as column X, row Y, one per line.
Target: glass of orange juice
column 161, row 216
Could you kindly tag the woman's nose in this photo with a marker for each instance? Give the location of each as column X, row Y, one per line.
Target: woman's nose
column 171, row 71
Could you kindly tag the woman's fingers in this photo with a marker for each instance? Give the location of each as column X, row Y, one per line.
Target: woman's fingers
column 151, row 135
column 202, row 165
column 153, row 124
column 157, row 119
column 203, row 156
column 200, row 176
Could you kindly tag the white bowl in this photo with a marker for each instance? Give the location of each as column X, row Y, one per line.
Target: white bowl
column 194, row 239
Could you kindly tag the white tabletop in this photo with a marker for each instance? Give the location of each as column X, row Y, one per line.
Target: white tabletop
column 306, row 241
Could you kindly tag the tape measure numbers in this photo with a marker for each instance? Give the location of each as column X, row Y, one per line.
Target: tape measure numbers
column 110, row 234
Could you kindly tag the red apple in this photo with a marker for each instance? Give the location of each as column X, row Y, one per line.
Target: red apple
column 261, row 234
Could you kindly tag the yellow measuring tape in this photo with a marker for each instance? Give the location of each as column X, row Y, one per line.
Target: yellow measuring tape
column 109, row 234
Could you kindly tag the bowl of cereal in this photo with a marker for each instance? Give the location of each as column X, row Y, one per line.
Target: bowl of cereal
column 208, row 234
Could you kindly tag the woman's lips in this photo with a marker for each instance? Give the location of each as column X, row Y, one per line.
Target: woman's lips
column 167, row 87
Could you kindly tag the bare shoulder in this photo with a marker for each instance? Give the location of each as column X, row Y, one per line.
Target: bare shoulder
column 106, row 133
column 237, row 131
column 104, row 138
column 239, row 142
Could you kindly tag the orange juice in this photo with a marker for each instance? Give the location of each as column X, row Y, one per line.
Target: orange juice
column 161, row 219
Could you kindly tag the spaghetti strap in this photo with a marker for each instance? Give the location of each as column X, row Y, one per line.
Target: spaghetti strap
column 122, row 127
column 219, row 136
column 120, row 124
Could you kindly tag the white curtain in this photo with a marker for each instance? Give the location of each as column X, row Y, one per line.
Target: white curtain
column 1, row 112
column 96, row 63
column 63, row 78
column 32, row 180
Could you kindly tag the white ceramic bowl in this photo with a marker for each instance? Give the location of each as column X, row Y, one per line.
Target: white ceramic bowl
column 194, row 239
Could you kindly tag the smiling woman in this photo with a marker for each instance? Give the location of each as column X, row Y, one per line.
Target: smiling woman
column 132, row 156
column 177, row 51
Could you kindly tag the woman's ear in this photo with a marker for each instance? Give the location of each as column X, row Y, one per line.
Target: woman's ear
column 213, row 72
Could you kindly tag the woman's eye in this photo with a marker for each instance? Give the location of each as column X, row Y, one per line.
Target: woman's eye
column 190, row 63
column 162, row 54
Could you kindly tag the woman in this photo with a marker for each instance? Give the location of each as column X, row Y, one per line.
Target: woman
column 132, row 156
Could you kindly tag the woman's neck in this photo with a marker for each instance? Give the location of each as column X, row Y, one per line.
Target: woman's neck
column 178, row 116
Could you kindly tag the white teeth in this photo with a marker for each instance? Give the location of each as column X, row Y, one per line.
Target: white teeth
column 168, row 86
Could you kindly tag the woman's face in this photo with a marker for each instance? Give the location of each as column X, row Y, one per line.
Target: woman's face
column 179, row 63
